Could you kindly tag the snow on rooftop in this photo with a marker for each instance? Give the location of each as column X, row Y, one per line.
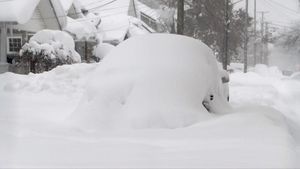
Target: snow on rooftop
column 19, row 11
column 107, row 8
column 66, row 4
column 81, row 28
column 147, row 10
column 114, row 28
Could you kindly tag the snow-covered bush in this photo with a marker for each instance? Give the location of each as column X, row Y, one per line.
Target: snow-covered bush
column 48, row 49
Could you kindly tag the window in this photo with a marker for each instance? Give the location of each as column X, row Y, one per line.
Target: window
column 14, row 44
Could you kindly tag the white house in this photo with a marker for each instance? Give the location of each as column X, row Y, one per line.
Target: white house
column 149, row 16
column 20, row 19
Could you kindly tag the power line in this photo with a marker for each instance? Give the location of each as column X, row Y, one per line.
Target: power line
column 282, row 6
column 272, row 5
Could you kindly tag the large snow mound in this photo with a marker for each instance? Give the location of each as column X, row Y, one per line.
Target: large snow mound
column 34, row 109
column 152, row 81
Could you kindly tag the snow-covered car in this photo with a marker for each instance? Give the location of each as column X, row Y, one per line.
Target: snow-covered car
column 156, row 80
column 295, row 76
column 225, row 80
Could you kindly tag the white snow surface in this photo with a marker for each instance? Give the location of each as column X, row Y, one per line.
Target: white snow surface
column 262, row 131
column 82, row 29
column 53, row 43
column 19, row 11
column 102, row 49
column 115, row 20
column 107, row 8
column 153, row 81
column 66, row 4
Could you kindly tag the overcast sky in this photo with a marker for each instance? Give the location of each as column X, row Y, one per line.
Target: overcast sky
column 281, row 12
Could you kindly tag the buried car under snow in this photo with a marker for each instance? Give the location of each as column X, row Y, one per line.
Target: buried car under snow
column 154, row 81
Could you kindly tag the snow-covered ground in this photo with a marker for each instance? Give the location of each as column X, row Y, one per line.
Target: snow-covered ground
column 260, row 132
column 142, row 107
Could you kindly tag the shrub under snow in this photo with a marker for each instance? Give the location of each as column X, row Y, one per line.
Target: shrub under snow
column 48, row 49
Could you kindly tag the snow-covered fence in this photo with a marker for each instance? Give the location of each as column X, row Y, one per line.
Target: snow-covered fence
column 85, row 49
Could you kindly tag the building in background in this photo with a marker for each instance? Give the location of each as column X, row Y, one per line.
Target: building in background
column 22, row 20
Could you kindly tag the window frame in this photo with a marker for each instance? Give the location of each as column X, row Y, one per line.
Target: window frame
column 8, row 45
column 151, row 22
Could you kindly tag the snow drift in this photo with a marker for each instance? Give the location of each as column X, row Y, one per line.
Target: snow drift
column 102, row 49
column 152, row 81
column 33, row 132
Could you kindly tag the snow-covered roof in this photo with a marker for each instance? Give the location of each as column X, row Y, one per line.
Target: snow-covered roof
column 107, row 8
column 146, row 10
column 114, row 29
column 66, row 4
column 24, row 11
column 115, row 17
column 19, row 11
column 81, row 28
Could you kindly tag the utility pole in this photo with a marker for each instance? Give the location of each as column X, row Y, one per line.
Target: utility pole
column 255, row 36
column 246, row 40
column 266, row 59
column 262, row 35
column 226, row 36
column 180, row 17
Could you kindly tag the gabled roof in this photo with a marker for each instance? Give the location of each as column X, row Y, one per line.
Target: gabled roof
column 19, row 11
column 51, row 12
column 66, row 4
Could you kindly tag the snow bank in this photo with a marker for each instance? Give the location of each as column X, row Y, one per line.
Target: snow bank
column 19, row 11
column 49, row 96
column 266, row 71
column 152, row 81
column 34, row 108
column 53, row 44
column 102, row 49
column 295, row 76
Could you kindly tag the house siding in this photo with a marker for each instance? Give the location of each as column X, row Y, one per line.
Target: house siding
column 35, row 24
column 17, row 33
